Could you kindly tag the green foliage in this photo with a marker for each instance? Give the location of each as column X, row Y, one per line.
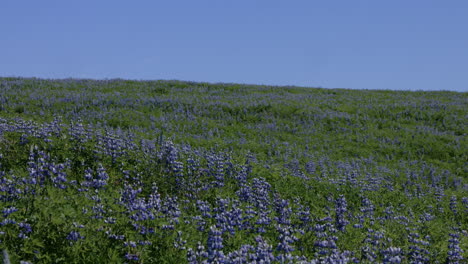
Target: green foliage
column 410, row 141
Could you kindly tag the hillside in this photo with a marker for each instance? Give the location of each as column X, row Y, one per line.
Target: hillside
column 173, row 172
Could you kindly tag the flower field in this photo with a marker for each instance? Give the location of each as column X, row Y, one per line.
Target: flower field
column 119, row 171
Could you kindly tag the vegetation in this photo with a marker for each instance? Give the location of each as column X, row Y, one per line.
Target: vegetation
column 115, row 171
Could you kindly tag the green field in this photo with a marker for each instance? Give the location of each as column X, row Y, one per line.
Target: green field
column 115, row 171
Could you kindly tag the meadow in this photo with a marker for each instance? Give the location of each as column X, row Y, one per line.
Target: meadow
column 120, row 171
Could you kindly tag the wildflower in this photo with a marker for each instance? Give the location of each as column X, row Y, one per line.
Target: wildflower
column 74, row 236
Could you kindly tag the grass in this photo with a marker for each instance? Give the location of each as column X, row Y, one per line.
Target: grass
column 141, row 171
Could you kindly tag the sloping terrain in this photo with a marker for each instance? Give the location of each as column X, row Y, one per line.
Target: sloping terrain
column 113, row 171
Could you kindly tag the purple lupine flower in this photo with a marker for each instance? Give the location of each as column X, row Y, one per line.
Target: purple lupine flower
column 284, row 258
column 144, row 242
column 439, row 194
column 98, row 210
column 179, row 243
column 304, row 215
column 110, row 220
column 241, row 255
column 286, row 238
column 215, row 240
column 78, row 132
column 417, row 250
column 98, row 181
column 367, row 208
column 311, row 167
column 465, row 203
column 113, row 145
column 130, row 244
column 115, row 236
column 426, row 217
column 25, row 229
column 341, row 209
column 263, row 221
column 373, row 245
column 54, row 127
column 283, row 212
column 74, row 236
column 170, row 208
column 393, row 255
column 132, row 257
column 10, row 189
column 235, row 217
column 198, row 255
column 453, row 204
column 294, row 168
column 129, row 195
column 199, row 222
column 60, row 176
column 168, row 152
column 242, row 175
column 263, row 252
column 327, row 244
column 7, row 221
column 261, row 190
column 249, row 214
column 37, row 167
column 8, row 211
column 192, row 257
column 41, row 169
column 336, row 256
column 193, row 165
column 204, row 207
column 177, row 168
column 101, row 176
column 216, row 168
column 215, row 245
column 245, row 192
column 24, row 139
column 455, row 253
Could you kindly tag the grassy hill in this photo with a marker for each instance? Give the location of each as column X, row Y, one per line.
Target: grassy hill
column 174, row 172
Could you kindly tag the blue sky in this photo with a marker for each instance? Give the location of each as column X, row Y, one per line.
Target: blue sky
column 401, row 45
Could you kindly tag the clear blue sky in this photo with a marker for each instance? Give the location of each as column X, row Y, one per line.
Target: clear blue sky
column 397, row 44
